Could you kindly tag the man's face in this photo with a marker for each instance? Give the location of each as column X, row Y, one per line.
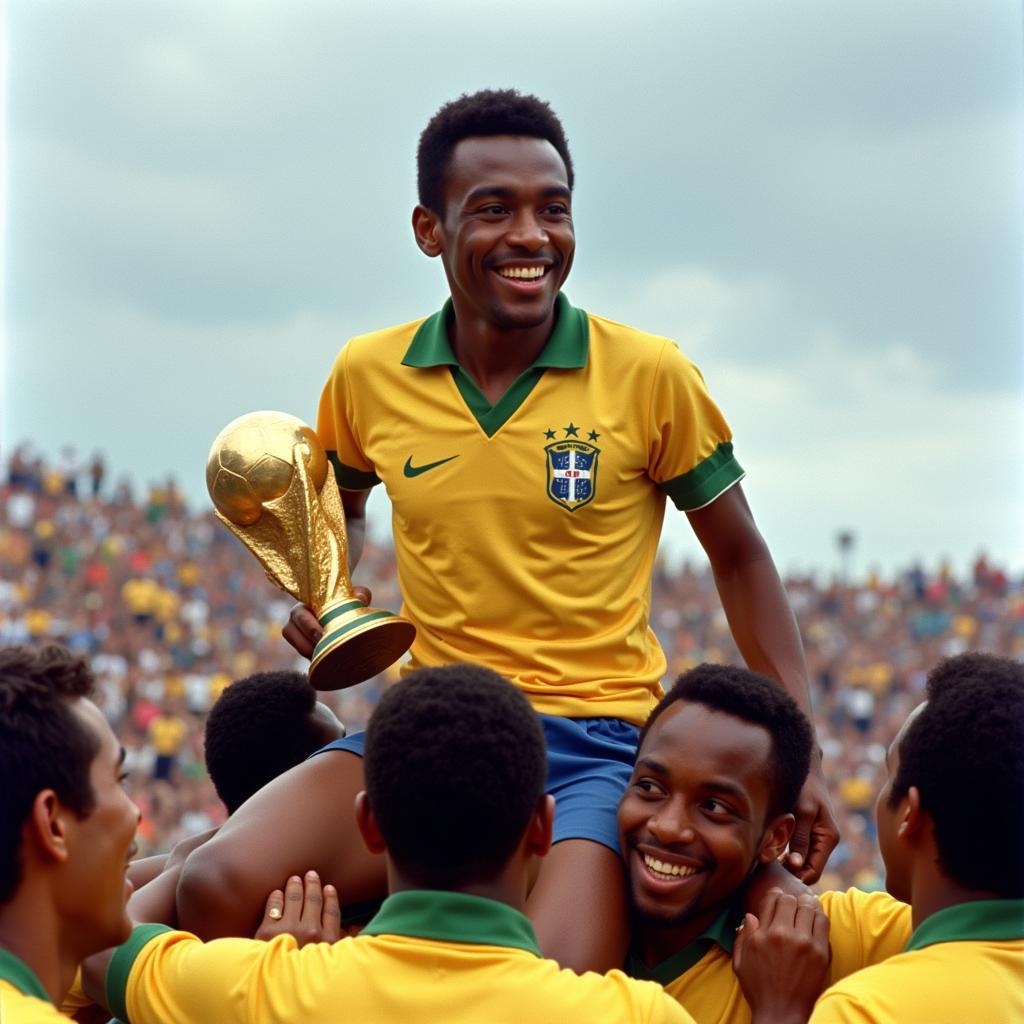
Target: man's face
column 506, row 236
column 94, row 887
column 888, row 820
column 692, row 824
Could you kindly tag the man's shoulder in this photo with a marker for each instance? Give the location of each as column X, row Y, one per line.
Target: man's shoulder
column 383, row 344
column 603, row 328
column 855, row 908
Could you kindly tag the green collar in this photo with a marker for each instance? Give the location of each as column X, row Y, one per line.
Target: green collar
column 21, row 976
column 566, row 348
column 977, row 921
column 453, row 917
column 721, row 932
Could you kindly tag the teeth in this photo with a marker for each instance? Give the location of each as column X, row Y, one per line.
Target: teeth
column 668, row 870
column 523, row 273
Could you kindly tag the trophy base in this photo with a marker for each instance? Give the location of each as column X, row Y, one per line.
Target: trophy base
column 357, row 644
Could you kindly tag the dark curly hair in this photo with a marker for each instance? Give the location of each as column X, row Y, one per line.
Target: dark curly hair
column 455, row 765
column 258, row 728
column 757, row 699
column 965, row 754
column 488, row 112
column 43, row 744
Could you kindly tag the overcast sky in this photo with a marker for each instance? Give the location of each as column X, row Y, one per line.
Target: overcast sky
column 822, row 202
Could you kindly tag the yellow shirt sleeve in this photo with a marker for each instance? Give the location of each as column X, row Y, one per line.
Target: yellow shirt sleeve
column 690, row 445
column 164, row 977
column 865, row 928
column 338, row 434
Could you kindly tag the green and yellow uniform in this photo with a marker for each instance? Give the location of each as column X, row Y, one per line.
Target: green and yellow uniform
column 425, row 957
column 525, row 531
column 23, row 1000
column 865, row 928
column 963, row 964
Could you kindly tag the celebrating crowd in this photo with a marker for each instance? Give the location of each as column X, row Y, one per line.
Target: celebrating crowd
column 170, row 608
column 528, row 815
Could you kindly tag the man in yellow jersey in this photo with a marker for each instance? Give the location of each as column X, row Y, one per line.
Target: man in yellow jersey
column 67, row 831
column 455, row 803
column 719, row 765
column 951, row 832
column 528, row 448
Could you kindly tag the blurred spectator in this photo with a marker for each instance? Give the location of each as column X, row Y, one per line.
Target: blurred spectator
column 171, row 608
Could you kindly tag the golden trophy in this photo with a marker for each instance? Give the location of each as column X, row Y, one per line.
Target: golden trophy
column 273, row 488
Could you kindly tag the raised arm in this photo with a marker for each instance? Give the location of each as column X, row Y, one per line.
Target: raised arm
column 766, row 633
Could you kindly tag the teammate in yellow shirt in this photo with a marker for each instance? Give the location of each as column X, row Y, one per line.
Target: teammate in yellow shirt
column 528, row 448
column 454, row 800
column 718, row 768
column 951, row 832
column 67, row 830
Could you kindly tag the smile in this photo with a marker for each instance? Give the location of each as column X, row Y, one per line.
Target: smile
column 662, row 870
column 523, row 273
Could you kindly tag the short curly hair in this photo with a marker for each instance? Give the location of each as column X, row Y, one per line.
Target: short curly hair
column 259, row 727
column 455, row 765
column 43, row 744
column 484, row 113
column 761, row 701
column 965, row 754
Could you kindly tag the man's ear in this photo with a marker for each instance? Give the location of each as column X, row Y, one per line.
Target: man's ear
column 542, row 822
column 913, row 815
column 47, row 826
column 367, row 824
column 776, row 838
column 426, row 226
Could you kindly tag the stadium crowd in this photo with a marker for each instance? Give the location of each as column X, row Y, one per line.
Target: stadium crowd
column 170, row 608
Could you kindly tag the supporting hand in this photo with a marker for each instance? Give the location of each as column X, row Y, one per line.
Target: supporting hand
column 304, row 910
column 781, row 958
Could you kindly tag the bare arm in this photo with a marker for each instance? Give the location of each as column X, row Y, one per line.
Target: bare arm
column 766, row 633
column 303, row 819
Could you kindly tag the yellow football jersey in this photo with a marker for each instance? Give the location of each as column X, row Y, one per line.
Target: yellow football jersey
column 963, row 964
column 866, row 928
column 526, row 531
column 426, row 957
column 23, row 1000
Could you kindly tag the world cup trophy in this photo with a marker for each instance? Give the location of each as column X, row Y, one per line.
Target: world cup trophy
column 273, row 488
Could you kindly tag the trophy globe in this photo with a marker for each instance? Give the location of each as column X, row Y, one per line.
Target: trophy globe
column 272, row 486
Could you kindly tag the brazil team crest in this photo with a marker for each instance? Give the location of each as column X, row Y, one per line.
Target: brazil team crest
column 572, row 470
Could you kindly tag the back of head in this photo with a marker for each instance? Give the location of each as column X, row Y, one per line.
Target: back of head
column 965, row 754
column 481, row 114
column 455, row 766
column 757, row 699
column 260, row 727
column 43, row 745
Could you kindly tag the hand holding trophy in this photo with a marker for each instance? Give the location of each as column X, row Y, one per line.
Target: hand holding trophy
column 273, row 488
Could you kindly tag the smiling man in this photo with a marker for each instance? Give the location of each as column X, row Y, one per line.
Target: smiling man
column 67, row 831
column 951, row 832
column 528, row 448
column 719, row 766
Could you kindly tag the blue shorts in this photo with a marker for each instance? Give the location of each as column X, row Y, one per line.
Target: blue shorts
column 590, row 761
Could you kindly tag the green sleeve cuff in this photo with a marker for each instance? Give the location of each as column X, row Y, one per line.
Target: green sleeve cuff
column 350, row 479
column 706, row 481
column 121, row 964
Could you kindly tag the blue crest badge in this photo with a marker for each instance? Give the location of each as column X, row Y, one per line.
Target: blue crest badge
column 572, row 473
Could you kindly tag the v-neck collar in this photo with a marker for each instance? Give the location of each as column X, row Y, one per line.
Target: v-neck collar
column 721, row 932
column 566, row 349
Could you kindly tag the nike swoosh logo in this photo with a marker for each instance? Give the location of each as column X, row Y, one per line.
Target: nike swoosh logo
column 410, row 470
